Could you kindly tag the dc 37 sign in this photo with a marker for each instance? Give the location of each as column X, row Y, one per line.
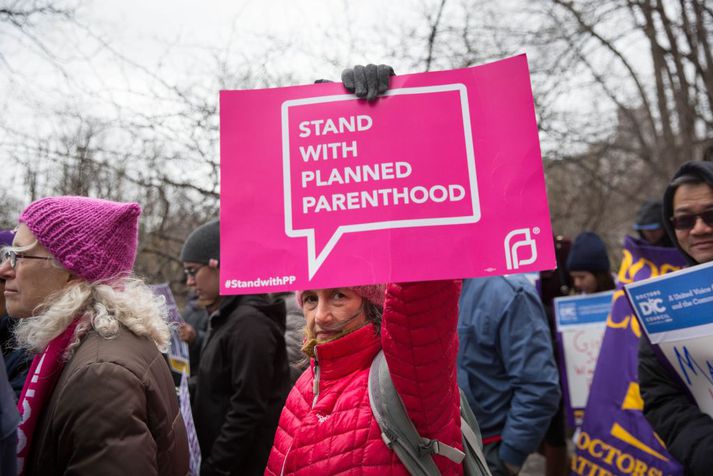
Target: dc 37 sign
column 440, row 178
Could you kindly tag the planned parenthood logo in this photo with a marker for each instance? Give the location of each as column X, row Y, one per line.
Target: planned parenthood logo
column 520, row 247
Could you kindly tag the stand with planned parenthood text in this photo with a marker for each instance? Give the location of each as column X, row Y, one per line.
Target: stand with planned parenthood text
column 676, row 312
column 439, row 178
column 581, row 321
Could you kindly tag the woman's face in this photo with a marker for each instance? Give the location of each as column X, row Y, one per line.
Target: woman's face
column 33, row 279
column 332, row 313
column 584, row 281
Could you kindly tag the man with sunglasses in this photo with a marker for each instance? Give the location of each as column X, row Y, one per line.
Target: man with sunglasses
column 243, row 375
column 668, row 406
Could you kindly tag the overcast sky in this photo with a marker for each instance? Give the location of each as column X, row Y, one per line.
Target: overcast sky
column 122, row 57
column 143, row 29
column 111, row 61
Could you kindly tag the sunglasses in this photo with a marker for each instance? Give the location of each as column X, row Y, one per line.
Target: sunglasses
column 12, row 257
column 686, row 222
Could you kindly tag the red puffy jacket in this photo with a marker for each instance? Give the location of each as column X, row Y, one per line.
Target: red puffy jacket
column 327, row 427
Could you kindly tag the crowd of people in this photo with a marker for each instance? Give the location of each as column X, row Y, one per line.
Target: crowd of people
column 280, row 383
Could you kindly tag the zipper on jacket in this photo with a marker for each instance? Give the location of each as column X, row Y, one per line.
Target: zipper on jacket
column 315, row 381
column 315, row 390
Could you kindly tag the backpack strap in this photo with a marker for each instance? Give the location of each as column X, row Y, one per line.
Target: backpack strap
column 397, row 429
column 475, row 462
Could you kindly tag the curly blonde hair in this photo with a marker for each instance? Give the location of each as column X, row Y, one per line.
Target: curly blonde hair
column 101, row 306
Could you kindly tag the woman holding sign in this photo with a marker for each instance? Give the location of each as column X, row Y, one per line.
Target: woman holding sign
column 327, row 426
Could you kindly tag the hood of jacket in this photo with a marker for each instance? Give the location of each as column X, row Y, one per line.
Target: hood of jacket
column 697, row 168
column 275, row 311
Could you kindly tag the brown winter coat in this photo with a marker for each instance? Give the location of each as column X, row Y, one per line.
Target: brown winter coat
column 113, row 411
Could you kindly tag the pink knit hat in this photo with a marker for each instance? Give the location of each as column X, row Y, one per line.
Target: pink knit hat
column 375, row 294
column 93, row 238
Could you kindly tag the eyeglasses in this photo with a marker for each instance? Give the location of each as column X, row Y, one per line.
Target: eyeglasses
column 12, row 256
column 191, row 272
column 688, row 221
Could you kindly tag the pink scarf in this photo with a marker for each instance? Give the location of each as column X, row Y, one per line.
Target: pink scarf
column 39, row 385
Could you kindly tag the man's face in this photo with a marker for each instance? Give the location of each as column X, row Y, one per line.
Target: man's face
column 692, row 199
column 33, row 280
column 205, row 282
column 332, row 313
column 584, row 281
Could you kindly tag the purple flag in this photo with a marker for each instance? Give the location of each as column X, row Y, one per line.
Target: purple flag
column 615, row 437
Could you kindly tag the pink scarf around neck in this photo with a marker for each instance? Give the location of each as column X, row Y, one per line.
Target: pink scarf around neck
column 39, row 385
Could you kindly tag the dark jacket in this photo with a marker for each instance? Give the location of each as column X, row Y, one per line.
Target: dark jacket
column 243, row 381
column 9, row 418
column 674, row 415
column 668, row 406
column 197, row 317
column 17, row 361
column 114, row 411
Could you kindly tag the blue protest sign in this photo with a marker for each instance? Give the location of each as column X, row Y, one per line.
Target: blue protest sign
column 583, row 309
column 677, row 313
column 675, row 306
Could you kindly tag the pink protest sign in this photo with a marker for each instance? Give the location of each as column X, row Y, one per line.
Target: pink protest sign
column 440, row 178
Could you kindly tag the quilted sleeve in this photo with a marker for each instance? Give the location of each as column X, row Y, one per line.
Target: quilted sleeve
column 420, row 342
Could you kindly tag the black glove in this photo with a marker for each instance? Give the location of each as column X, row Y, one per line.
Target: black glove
column 367, row 81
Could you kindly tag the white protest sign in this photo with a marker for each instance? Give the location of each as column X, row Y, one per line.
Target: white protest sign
column 581, row 322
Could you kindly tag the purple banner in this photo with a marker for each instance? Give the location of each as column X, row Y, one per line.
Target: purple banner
column 615, row 437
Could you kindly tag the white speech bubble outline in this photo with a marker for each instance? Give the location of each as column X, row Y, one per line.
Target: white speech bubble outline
column 315, row 260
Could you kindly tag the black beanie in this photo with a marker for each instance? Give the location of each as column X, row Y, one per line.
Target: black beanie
column 588, row 253
column 203, row 244
column 649, row 216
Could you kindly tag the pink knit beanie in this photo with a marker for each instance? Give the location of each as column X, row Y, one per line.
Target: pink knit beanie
column 375, row 294
column 93, row 238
